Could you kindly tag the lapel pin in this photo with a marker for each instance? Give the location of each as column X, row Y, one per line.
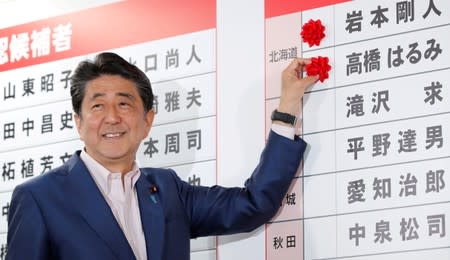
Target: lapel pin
column 153, row 191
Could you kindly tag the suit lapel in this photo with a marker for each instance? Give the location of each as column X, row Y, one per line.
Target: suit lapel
column 152, row 216
column 91, row 204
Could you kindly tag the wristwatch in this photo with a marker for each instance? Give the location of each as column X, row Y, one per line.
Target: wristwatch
column 284, row 117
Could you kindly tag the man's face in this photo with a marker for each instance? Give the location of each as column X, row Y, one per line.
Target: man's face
column 112, row 123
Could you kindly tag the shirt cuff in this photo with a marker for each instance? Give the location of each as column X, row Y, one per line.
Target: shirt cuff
column 286, row 131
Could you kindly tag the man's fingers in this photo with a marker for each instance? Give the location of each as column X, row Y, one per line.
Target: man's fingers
column 295, row 68
column 297, row 64
column 303, row 61
column 309, row 80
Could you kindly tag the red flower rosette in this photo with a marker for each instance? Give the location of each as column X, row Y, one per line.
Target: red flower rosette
column 318, row 66
column 313, row 32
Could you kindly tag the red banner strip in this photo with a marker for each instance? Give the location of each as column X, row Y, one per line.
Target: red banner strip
column 276, row 7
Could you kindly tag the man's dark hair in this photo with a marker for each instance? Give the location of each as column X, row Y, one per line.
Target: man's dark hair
column 108, row 63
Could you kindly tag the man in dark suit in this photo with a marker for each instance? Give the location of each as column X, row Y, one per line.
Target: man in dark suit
column 101, row 205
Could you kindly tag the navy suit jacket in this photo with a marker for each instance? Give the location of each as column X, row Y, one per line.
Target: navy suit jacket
column 63, row 215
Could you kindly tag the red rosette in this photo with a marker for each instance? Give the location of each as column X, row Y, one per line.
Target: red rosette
column 318, row 66
column 313, row 32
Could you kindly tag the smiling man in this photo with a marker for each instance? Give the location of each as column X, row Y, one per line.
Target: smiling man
column 101, row 205
column 113, row 121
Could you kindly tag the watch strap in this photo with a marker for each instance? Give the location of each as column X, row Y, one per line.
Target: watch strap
column 283, row 117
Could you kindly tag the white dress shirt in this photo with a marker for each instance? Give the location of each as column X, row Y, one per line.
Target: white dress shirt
column 122, row 199
column 286, row 131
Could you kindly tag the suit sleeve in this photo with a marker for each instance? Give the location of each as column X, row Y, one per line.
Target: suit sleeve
column 27, row 235
column 217, row 210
